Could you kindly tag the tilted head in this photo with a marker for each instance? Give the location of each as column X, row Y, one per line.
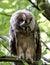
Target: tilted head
column 22, row 19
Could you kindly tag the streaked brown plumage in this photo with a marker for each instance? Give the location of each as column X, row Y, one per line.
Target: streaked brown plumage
column 25, row 36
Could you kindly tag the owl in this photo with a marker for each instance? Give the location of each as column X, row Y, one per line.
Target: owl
column 25, row 37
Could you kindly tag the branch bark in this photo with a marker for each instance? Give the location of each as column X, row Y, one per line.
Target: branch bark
column 42, row 7
column 16, row 59
column 9, row 59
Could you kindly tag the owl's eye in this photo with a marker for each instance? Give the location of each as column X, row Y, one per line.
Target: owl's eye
column 31, row 19
column 20, row 21
column 25, row 21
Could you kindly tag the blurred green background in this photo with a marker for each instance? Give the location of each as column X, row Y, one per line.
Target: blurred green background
column 7, row 8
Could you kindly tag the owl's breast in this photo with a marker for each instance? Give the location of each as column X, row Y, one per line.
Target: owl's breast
column 26, row 41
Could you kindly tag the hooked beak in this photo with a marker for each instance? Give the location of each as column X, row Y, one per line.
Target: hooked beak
column 22, row 23
column 20, row 26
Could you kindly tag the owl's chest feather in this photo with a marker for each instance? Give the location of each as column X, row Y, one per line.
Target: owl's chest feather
column 26, row 41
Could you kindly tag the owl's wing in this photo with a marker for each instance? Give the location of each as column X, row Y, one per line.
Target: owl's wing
column 13, row 42
column 36, row 35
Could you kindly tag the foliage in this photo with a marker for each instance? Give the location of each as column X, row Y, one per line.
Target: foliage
column 7, row 7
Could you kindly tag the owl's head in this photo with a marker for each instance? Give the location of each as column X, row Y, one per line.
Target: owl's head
column 22, row 19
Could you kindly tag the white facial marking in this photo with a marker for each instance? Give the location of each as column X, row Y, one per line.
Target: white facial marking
column 22, row 23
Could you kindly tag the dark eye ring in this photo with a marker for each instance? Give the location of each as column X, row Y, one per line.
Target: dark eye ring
column 30, row 19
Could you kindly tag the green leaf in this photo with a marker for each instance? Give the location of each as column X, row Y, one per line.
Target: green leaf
column 24, row 62
column 40, row 62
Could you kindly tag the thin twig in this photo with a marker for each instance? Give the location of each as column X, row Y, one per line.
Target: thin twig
column 34, row 4
column 5, row 38
column 48, row 60
column 5, row 14
column 45, row 45
column 5, row 47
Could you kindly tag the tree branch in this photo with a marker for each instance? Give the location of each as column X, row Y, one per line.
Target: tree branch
column 34, row 4
column 13, row 59
column 45, row 45
column 44, row 7
column 5, row 47
column 47, row 60
column 5, row 14
column 10, row 59
column 17, row 60
column 5, row 38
